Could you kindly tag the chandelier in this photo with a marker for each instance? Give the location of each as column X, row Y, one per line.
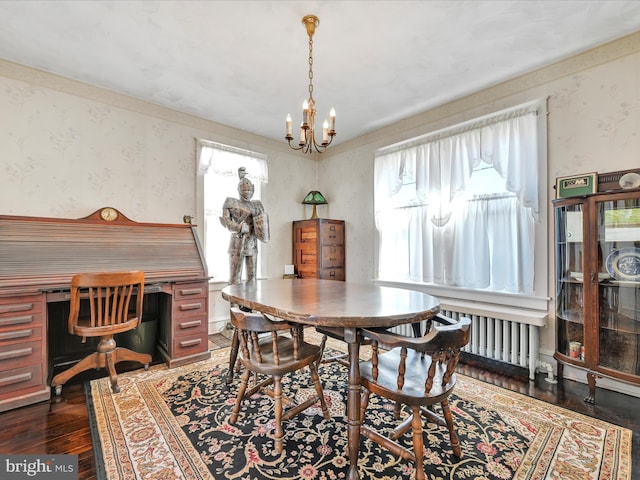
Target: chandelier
column 308, row 142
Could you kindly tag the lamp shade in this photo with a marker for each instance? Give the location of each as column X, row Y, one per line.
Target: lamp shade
column 314, row 198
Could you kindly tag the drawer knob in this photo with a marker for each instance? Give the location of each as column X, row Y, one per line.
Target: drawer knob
column 16, row 320
column 22, row 352
column 194, row 323
column 190, row 306
column 18, row 307
column 16, row 334
column 191, row 291
column 23, row 377
column 191, row 343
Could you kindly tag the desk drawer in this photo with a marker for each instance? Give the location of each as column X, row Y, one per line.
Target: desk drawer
column 21, row 304
column 188, row 308
column 20, row 379
column 19, row 354
column 308, row 235
column 307, row 271
column 190, row 290
column 331, row 274
column 332, row 233
column 190, row 326
column 21, row 312
column 190, row 345
column 23, row 334
column 308, row 258
column 332, row 256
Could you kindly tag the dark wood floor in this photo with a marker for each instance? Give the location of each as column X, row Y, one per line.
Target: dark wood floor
column 62, row 425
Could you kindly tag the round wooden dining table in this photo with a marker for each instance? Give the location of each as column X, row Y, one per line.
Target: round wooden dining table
column 336, row 304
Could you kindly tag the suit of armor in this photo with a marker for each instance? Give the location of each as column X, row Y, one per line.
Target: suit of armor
column 240, row 216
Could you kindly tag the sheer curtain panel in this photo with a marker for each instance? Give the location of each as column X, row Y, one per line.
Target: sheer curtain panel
column 459, row 207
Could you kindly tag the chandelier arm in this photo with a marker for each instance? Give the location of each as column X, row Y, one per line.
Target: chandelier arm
column 289, row 138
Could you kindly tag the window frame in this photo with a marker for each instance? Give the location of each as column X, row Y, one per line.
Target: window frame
column 201, row 225
column 540, row 297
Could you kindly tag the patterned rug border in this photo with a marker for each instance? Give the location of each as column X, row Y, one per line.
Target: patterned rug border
column 101, row 473
column 617, row 444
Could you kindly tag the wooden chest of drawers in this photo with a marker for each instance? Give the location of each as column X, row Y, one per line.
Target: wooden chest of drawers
column 319, row 248
column 23, row 355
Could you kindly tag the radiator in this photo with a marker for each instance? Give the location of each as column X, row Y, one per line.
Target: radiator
column 509, row 341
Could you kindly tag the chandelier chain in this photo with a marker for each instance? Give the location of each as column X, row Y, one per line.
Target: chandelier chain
column 310, row 67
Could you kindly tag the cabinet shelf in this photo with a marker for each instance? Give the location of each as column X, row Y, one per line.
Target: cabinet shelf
column 577, row 362
column 572, row 316
column 603, row 283
column 620, row 323
column 622, row 283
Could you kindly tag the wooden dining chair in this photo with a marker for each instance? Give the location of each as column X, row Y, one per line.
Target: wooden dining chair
column 102, row 305
column 266, row 349
column 233, row 356
column 338, row 334
column 417, row 372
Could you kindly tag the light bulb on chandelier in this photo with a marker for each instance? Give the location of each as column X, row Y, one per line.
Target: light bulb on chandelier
column 308, row 143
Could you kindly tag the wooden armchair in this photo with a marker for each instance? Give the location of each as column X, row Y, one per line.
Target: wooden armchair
column 338, row 334
column 275, row 355
column 417, row 372
column 103, row 304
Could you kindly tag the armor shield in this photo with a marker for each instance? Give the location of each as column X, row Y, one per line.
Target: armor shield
column 261, row 227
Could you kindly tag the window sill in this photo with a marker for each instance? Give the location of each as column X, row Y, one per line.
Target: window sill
column 538, row 306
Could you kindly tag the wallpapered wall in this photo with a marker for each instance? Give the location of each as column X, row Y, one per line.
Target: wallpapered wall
column 67, row 149
column 593, row 126
column 63, row 156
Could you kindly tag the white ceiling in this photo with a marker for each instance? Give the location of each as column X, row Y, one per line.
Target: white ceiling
column 244, row 63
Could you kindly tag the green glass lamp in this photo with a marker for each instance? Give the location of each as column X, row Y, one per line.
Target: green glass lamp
column 314, row 198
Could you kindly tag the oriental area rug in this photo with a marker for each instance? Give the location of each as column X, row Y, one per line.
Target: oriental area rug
column 173, row 424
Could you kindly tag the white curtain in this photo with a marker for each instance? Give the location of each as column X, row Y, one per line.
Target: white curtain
column 441, row 235
column 223, row 160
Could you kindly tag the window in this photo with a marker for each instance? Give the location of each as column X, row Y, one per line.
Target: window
column 218, row 179
column 460, row 208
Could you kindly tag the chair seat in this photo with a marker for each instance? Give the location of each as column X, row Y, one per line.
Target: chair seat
column 307, row 354
column 413, row 391
column 84, row 328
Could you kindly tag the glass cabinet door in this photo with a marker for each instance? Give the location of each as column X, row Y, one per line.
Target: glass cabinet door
column 569, row 283
column 619, row 285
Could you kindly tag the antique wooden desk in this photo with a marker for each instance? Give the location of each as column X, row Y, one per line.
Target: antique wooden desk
column 38, row 257
column 350, row 306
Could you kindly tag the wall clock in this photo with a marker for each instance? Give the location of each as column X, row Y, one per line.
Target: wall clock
column 108, row 214
column 630, row 180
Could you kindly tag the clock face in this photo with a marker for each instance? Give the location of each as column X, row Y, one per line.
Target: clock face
column 108, row 214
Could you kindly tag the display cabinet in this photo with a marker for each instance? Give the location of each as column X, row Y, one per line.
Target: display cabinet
column 598, row 286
